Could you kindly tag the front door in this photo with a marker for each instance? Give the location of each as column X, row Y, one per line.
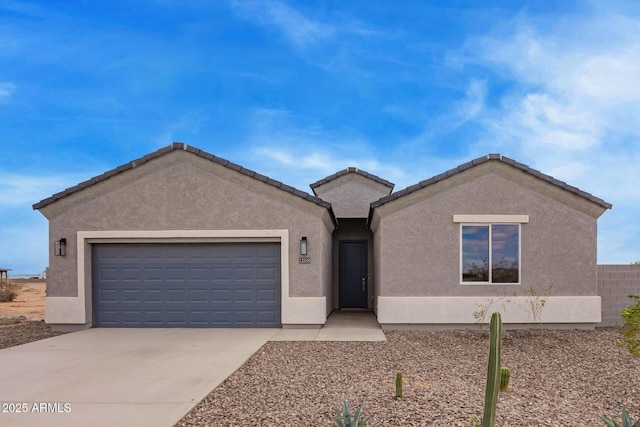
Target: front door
column 352, row 270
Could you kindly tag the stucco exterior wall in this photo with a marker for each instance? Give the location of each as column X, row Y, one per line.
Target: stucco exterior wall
column 180, row 191
column 417, row 245
column 351, row 194
column 615, row 284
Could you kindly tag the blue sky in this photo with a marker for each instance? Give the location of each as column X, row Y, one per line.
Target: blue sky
column 297, row 90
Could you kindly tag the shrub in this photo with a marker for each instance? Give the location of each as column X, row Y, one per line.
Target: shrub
column 631, row 326
column 8, row 291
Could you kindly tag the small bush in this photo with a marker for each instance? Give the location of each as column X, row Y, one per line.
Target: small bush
column 631, row 326
column 626, row 420
column 8, row 291
column 345, row 419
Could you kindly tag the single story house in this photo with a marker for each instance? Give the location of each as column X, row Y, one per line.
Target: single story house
column 182, row 238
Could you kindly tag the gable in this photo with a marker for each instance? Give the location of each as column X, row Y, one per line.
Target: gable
column 512, row 171
column 178, row 174
column 351, row 191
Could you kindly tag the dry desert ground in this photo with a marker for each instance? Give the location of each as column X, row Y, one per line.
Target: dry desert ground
column 29, row 302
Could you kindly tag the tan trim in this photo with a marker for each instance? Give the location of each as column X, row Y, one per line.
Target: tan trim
column 500, row 219
column 62, row 310
column 189, row 240
column 77, row 310
column 460, row 310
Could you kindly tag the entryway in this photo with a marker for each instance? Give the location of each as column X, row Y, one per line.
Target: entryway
column 353, row 274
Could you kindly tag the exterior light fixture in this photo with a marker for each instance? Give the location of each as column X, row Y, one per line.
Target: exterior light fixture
column 303, row 246
column 60, row 247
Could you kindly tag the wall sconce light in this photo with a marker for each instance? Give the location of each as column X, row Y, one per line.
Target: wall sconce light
column 303, row 246
column 60, row 247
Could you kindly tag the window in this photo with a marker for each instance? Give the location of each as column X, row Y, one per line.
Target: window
column 490, row 253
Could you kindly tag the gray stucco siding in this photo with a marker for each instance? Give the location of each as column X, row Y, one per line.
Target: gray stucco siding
column 351, row 194
column 180, row 191
column 418, row 244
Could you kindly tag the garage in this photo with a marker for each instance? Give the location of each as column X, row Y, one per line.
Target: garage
column 178, row 285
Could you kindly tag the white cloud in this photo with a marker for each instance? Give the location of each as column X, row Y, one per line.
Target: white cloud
column 297, row 28
column 473, row 103
column 547, row 121
column 570, row 108
column 576, row 83
column 25, row 190
column 6, row 89
column 285, row 150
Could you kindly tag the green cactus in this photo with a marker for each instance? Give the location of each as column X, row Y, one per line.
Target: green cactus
column 494, row 373
column 505, row 376
column 398, row 385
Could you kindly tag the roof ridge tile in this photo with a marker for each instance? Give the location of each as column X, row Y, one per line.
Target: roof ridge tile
column 352, row 169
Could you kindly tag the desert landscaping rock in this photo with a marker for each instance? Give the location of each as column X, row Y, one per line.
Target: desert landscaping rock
column 558, row 378
column 25, row 332
column 12, row 320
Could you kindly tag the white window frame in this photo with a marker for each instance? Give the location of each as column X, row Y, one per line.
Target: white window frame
column 489, row 221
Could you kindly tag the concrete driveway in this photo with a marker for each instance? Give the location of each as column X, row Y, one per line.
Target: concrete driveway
column 119, row 377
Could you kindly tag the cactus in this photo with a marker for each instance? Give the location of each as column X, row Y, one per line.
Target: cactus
column 505, row 376
column 398, row 385
column 494, row 373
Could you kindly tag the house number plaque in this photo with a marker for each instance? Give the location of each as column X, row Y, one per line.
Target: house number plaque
column 305, row 260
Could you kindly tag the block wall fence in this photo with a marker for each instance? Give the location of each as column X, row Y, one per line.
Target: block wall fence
column 615, row 283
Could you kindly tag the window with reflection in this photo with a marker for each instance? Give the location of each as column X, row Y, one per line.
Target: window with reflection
column 490, row 253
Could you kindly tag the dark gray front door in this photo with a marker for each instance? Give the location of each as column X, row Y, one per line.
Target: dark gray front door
column 186, row 285
column 352, row 273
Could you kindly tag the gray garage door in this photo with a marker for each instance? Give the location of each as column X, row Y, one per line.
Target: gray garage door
column 180, row 285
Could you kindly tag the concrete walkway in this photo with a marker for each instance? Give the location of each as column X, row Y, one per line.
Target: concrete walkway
column 119, row 377
column 340, row 326
column 139, row 377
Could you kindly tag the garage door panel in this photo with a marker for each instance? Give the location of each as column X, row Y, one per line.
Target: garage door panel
column 176, row 253
column 108, row 274
column 220, row 252
column 221, row 296
column 266, row 273
column 187, row 285
column 201, row 274
column 268, row 253
column 132, row 295
column 199, row 296
column 152, row 273
column 267, row 295
column 153, row 254
column 243, row 273
column 266, row 316
column 243, row 295
column 221, row 273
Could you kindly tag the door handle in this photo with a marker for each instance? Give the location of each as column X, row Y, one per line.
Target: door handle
column 363, row 283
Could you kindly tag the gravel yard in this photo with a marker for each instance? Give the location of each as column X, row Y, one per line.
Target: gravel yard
column 15, row 331
column 558, row 378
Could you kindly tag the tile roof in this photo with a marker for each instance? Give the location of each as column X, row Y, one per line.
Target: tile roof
column 352, row 170
column 484, row 159
column 197, row 152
